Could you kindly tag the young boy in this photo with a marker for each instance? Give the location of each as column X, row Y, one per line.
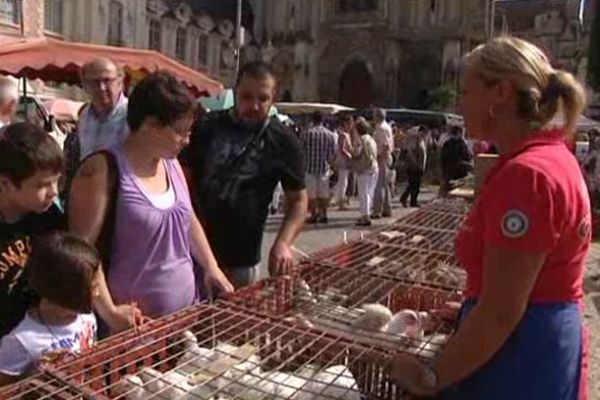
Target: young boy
column 63, row 272
column 31, row 164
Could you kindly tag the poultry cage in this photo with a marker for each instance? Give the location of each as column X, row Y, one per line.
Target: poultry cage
column 211, row 352
column 355, row 305
column 39, row 386
column 392, row 255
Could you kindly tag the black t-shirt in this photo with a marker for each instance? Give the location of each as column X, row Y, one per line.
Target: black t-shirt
column 233, row 188
column 15, row 247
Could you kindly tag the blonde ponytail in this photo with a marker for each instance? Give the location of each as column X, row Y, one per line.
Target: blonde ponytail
column 541, row 90
column 564, row 92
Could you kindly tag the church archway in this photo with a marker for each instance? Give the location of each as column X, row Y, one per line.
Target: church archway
column 356, row 85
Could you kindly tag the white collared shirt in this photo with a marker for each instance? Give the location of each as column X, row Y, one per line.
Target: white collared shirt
column 95, row 134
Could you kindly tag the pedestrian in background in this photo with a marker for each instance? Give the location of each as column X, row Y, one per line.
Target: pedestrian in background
column 382, row 202
column 456, row 159
column 416, row 161
column 366, row 167
column 9, row 100
column 103, row 122
column 343, row 161
column 319, row 146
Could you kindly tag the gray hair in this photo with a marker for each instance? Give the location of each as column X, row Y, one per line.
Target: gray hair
column 9, row 90
column 379, row 113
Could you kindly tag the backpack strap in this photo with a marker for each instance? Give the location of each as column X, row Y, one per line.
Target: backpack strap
column 105, row 239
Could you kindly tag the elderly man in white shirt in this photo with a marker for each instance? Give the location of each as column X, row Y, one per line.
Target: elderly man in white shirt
column 103, row 122
column 9, row 100
column 384, row 137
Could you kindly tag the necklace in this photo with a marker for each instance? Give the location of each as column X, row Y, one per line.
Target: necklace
column 54, row 336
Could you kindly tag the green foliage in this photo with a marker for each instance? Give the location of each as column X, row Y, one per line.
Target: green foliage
column 442, row 98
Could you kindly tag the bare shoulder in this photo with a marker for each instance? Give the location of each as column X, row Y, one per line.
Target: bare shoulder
column 94, row 167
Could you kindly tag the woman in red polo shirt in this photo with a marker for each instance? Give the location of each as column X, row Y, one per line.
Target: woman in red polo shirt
column 524, row 242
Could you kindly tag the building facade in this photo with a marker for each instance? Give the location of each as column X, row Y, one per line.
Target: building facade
column 394, row 53
column 191, row 31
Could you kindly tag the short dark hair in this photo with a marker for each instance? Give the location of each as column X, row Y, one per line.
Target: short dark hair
column 61, row 269
column 317, row 117
column 346, row 118
column 25, row 149
column 159, row 95
column 456, row 130
column 255, row 69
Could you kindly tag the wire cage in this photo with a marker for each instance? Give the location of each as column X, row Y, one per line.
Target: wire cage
column 398, row 257
column 433, row 219
column 212, row 352
column 448, row 206
column 346, row 303
column 39, row 386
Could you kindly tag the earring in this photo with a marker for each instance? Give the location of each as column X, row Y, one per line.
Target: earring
column 492, row 112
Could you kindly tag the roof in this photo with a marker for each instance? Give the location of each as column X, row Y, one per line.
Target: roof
column 60, row 61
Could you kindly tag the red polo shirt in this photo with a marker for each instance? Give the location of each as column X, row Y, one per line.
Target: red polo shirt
column 534, row 199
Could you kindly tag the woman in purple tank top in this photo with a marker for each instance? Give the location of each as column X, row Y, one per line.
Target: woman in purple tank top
column 155, row 233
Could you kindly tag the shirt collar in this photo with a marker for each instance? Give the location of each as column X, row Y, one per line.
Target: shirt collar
column 542, row 137
column 120, row 102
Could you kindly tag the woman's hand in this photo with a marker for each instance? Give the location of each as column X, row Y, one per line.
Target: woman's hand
column 125, row 316
column 413, row 376
column 215, row 282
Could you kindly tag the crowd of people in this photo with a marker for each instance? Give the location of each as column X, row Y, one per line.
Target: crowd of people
column 166, row 207
column 372, row 160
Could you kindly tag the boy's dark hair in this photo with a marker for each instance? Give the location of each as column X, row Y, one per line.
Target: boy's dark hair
column 255, row 69
column 159, row 95
column 25, row 149
column 62, row 268
column 317, row 117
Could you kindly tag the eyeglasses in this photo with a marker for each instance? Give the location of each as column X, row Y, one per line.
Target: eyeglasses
column 101, row 81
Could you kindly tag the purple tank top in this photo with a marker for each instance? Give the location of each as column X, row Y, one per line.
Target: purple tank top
column 151, row 262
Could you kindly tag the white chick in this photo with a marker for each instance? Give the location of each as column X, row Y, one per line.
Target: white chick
column 131, row 387
column 285, row 386
column 375, row 318
column 405, row 323
column 247, row 386
column 333, row 383
column 171, row 385
column 431, row 345
column 195, row 358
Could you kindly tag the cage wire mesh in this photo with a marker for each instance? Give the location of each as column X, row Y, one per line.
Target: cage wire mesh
column 355, row 305
column 318, row 334
column 216, row 352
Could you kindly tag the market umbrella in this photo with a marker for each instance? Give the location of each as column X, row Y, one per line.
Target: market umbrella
column 61, row 61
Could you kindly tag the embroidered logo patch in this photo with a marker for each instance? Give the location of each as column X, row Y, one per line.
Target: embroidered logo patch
column 584, row 229
column 514, row 224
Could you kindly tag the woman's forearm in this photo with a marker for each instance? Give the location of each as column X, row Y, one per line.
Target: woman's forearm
column 479, row 338
column 200, row 248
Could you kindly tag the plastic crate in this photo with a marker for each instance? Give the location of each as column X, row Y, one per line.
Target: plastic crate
column 339, row 294
column 283, row 351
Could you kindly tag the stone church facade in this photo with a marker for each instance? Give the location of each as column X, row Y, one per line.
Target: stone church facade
column 392, row 53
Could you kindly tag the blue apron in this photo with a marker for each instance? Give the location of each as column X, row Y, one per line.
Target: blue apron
column 540, row 360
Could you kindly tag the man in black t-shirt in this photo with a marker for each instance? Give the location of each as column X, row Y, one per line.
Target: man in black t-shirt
column 235, row 160
column 456, row 158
